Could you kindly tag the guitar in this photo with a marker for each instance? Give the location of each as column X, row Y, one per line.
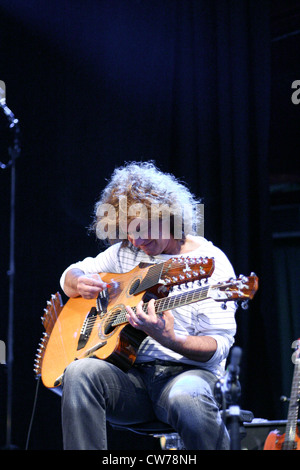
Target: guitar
column 109, row 336
column 73, row 328
column 290, row 440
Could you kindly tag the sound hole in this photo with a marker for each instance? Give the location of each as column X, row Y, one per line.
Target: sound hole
column 112, row 322
column 134, row 286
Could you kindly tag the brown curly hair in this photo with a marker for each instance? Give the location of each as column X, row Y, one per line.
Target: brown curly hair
column 140, row 189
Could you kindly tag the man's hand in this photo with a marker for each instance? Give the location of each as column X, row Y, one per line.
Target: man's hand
column 89, row 285
column 158, row 326
column 161, row 328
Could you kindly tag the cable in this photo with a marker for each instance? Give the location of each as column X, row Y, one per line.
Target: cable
column 33, row 412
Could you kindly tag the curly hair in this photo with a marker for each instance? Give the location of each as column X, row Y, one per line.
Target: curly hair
column 140, row 189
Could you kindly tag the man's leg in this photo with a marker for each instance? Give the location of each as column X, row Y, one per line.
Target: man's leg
column 95, row 391
column 187, row 403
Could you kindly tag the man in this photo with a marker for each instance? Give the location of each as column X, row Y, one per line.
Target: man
column 185, row 350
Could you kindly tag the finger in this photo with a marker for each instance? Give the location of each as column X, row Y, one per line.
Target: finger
column 134, row 315
column 89, row 286
column 96, row 281
column 151, row 308
column 134, row 318
column 132, row 322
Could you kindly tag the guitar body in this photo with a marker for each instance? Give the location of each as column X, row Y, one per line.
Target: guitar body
column 276, row 441
column 117, row 344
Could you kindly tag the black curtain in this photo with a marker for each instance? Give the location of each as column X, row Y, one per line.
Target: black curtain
column 97, row 83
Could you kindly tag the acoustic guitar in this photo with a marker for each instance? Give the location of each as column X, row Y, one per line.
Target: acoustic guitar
column 99, row 328
column 290, row 439
column 73, row 328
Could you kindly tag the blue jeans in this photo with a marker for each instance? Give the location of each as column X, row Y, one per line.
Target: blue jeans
column 95, row 391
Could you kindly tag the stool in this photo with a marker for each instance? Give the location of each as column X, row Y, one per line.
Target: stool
column 169, row 438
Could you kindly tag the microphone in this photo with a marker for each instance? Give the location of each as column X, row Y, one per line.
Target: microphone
column 233, row 368
column 11, row 117
column 8, row 112
column 14, row 151
column 228, row 388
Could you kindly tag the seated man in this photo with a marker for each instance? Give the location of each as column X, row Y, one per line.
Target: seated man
column 185, row 350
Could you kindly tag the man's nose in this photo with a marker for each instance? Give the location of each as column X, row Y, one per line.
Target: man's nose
column 137, row 242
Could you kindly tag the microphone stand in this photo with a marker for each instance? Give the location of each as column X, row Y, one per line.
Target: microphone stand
column 14, row 152
column 228, row 391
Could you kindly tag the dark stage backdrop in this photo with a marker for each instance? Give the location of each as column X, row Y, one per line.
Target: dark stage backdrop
column 97, row 83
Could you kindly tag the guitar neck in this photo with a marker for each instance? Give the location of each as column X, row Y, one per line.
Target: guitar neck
column 241, row 289
column 168, row 303
column 291, row 427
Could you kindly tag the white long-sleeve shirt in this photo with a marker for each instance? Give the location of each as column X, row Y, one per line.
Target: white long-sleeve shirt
column 202, row 318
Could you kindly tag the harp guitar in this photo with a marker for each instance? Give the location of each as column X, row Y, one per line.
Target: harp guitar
column 98, row 328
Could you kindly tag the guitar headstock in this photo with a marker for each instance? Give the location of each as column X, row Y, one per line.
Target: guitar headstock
column 242, row 288
column 181, row 270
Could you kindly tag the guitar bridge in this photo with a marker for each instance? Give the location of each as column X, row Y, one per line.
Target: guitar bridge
column 87, row 328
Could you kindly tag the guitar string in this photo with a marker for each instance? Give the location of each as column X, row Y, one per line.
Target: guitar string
column 161, row 305
column 171, row 264
column 50, row 316
column 151, row 277
column 171, row 303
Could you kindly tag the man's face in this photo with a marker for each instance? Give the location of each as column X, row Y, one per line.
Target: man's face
column 152, row 242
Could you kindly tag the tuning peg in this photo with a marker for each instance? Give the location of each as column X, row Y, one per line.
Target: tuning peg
column 245, row 305
column 284, row 398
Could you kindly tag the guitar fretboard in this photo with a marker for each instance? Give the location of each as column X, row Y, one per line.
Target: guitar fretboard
column 166, row 303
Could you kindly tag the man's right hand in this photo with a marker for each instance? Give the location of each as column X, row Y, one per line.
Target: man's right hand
column 87, row 286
